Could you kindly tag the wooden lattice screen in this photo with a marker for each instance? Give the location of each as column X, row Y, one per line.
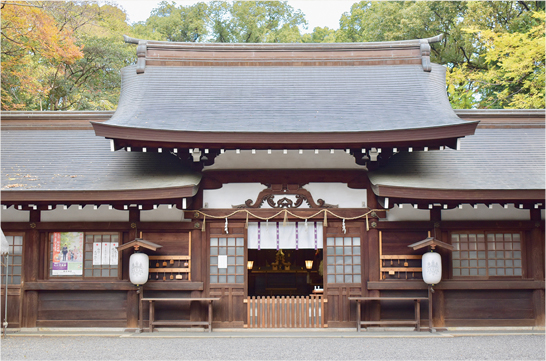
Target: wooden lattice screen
column 286, row 312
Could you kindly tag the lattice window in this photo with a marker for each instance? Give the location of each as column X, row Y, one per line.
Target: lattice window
column 227, row 260
column 105, row 264
column 343, row 260
column 104, row 270
column 486, row 254
column 15, row 264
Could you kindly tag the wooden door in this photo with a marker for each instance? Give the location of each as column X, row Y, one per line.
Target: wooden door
column 227, row 282
column 343, row 271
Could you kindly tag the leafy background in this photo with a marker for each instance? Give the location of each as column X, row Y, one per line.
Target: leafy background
column 68, row 55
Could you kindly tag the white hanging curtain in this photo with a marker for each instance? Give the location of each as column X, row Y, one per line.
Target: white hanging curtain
column 293, row 235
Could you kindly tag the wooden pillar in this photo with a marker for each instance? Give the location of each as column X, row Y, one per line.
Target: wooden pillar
column 436, row 306
column 198, row 262
column 31, row 264
column 132, row 309
column 373, row 310
column 537, row 267
column 133, row 298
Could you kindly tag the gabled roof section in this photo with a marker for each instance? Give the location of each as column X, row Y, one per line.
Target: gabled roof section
column 294, row 96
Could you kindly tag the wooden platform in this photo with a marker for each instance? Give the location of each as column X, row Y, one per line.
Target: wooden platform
column 415, row 322
column 174, row 323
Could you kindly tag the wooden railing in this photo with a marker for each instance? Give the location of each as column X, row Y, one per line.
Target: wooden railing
column 286, row 312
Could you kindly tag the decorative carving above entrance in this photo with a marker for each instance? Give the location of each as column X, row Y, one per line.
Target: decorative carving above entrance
column 268, row 195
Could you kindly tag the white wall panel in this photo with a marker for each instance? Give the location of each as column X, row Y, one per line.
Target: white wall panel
column 278, row 160
column 86, row 214
column 13, row 215
column 338, row 194
column 483, row 213
column 407, row 213
column 237, row 193
column 162, row 214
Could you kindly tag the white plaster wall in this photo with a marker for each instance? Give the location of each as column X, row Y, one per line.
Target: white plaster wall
column 278, row 160
column 338, row 194
column 483, row 213
column 407, row 213
column 163, row 214
column 86, row 214
column 13, row 215
column 231, row 194
column 237, row 193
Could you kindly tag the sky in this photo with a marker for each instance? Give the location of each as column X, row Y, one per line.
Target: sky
column 317, row 12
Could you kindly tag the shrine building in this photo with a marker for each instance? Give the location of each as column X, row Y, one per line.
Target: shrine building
column 275, row 186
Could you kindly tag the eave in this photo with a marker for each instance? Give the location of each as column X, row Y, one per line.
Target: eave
column 154, row 138
column 411, row 194
column 97, row 196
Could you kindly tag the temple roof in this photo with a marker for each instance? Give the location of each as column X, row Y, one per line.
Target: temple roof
column 496, row 163
column 65, row 165
column 284, row 96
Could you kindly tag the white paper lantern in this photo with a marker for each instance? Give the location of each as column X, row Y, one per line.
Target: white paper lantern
column 432, row 268
column 138, row 268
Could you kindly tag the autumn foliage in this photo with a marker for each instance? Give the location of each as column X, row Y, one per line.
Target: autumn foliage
column 32, row 43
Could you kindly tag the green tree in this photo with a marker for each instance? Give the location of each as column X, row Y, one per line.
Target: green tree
column 219, row 21
column 464, row 55
column 515, row 67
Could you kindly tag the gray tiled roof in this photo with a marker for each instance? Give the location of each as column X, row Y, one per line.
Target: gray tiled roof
column 77, row 160
column 284, row 98
column 493, row 159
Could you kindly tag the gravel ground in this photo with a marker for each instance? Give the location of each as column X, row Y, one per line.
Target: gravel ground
column 525, row 347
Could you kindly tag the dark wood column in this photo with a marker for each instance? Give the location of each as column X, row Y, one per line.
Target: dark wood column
column 133, row 297
column 31, row 262
column 437, row 305
column 373, row 310
column 537, row 251
column 198, row 270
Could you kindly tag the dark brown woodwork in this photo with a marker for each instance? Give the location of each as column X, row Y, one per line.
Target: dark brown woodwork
column 159, row 138
column 230, row 311
column 219, row 214
column 173, row 286
column 82, row 309
column 438, row 308
column 513, row 284
column 52, row 120
column 30, row 308
column 15, row 306
column 527, row 197
column 172, row 194
column 31, row 255
column 198, row 265
column 79, row 285
column 268, row 195
column 356, row 179
column 503, row 307
column 132, row 309
column 456, row 225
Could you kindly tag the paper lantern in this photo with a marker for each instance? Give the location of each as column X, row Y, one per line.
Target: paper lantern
column 138, row 268
column 432, row 268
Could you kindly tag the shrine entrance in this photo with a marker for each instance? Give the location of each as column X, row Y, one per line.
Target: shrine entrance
column 287, row 272
column 285, row 284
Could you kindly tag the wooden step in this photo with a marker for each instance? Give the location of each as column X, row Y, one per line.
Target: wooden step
column 390, row 322
column 180, row 323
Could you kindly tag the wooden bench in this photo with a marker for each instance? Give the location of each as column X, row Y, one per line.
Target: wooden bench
column 415, row 322
column 153, row 322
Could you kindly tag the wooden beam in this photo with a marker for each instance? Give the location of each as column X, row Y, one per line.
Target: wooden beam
column 458, row 285
column 79, row 286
